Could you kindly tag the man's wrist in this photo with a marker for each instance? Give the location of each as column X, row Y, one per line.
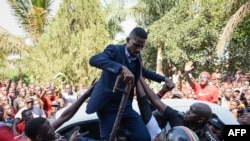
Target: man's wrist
column 160, row 94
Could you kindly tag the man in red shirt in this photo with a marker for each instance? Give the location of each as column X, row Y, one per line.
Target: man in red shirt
column 202, row 89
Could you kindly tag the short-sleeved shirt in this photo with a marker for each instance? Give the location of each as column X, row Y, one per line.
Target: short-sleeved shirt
column 208, row 93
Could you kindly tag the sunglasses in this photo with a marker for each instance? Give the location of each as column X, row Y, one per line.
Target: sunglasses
column 28, row 102
column 203, row 77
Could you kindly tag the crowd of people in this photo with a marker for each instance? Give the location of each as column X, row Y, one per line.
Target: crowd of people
column 21, row 102
column 28, row 111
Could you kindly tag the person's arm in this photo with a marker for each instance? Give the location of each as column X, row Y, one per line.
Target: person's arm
column 143, row 103
column 14, row 126
column 158, row 78
column 72, row 109
column 105, row 59
column 155, row 100
column 146, row 112
column 188, row 67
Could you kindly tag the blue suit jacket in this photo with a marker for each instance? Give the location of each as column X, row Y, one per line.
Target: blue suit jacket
column 110, row 61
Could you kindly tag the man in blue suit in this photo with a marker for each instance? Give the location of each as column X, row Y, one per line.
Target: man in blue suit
column 125, row 60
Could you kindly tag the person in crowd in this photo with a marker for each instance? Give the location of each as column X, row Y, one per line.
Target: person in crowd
column 4, row 100
column 40, row 129
column 227, row 97
column 47, row 97
column 248, row 100
column 234, row 107
column 26, row 116
column 195, row 118
column 8, row 114
column 244, row 118
column 81, row 89
column 216, row 77
column 18, row 102
column 6, row 133
column 4, row 90
column 217, row 127
column 69, row 95
column 61, row 100
column 125, row 60
column 203, row 90
column 55, row 107
column 29, row 104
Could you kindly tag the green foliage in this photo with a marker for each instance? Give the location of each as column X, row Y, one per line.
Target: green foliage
column 33, row 15
column 149, row 11
column 239, row 48
column 62, row 54
column 188, row 31
column 184, row 29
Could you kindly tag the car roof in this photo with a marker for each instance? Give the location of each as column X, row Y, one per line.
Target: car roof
column 179, row 104
column 184, row 104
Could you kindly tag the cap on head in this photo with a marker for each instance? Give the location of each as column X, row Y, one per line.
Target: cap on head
column 217, row 123
column 28, row 98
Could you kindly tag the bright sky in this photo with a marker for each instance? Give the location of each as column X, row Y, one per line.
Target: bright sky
column 10, row 23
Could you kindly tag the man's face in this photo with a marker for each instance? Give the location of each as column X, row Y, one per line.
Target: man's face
column 203, row 79
column 54, row 108
column 4, row 90
column 22, row 92
column 5, row 100
column 217, row 132
column 245, row 119
column 49, row 94
column 9, row 110
column 135, row 45
column 192, row 115
column 28, row 115
column 68, row 88
column 30, row 103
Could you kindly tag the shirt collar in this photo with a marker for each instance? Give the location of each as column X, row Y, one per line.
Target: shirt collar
column 130, row 58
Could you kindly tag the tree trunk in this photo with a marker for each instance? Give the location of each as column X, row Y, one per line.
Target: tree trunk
column 233, row 23
column 159, row 65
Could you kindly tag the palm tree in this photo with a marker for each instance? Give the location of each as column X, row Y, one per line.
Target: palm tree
column 33, row 15
column 231, row 25
column 10, row 44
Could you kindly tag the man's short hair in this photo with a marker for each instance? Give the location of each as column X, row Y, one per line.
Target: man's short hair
column 33, row 126
column 24, row 113
column 138, row 31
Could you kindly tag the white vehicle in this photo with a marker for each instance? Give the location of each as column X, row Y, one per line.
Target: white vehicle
column 89, row 122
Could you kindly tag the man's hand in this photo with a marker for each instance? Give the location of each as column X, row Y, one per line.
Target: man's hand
column 169, row 84
column 189, row 66
column 128, row 76
column 164, row 89
column 75, row 136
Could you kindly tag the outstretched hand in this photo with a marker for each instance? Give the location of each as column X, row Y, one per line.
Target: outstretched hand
column 189, row 66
